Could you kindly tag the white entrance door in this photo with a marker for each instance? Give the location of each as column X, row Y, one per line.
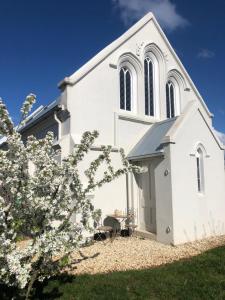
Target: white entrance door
column 147, row 211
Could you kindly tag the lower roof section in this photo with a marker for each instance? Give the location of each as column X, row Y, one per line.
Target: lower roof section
column 151, row 145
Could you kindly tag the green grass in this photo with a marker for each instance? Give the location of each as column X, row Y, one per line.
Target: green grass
column 201, row 277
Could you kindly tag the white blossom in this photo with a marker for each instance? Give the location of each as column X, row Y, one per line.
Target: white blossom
column 32, row 203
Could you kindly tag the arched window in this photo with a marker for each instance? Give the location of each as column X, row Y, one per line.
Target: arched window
column 170, row 100
column 200, row 170
column 149, row 87
column 125, row 89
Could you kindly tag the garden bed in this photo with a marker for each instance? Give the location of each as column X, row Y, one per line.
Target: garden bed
column 133, row 253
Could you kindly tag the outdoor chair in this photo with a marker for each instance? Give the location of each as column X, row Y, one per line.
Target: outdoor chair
column 114, row 224
column 102, row 232
column 131, row 228
column 130, row 222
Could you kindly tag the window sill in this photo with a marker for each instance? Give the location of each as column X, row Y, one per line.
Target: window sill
column 129, row 116
column 201, row 194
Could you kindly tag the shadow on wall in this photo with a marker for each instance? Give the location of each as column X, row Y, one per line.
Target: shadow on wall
column 202, row 231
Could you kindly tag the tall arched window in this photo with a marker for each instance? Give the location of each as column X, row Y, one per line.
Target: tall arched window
column 149, row 87
column 170, row 100
column 125, row 89
column 200, row 170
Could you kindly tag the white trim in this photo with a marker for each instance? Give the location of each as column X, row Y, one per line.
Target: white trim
column 132, row 63
column 102, row 55
column 151, row 47
column 146, row 156
column 123, row 115
column 133, row 87
column 155, row 64
column 190, row 107
column 200, row 169
column 200, row 145
column 137, row 119
column 177, row 95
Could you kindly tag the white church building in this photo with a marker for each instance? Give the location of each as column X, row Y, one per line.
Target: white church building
column 138, row 95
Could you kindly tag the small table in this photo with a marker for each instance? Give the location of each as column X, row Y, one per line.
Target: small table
column 120, row 218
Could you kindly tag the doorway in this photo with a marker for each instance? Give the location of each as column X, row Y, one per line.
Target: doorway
column 147, row 203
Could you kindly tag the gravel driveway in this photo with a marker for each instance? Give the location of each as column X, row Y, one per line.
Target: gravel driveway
column 135, row 253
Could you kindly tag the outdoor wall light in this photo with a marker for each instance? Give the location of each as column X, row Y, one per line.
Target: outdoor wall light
column 166, row 173
column 168, row 229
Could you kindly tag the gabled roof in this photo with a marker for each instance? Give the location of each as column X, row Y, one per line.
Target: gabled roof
column 40, row 113
column 165, row 132
column 191, row 106
column 102, row 55
column 151, row 144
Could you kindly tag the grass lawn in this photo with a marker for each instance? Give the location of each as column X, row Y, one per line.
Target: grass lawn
column 201, row 277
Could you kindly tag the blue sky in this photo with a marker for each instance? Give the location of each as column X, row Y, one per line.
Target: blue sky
column 44, row 41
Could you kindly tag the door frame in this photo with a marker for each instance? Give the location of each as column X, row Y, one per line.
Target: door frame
column 151, row 198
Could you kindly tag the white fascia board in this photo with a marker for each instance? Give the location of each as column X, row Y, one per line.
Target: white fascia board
column 146, row 156
column 102, row 55
column 182, row 67
column 171, row 134
column 192, row 106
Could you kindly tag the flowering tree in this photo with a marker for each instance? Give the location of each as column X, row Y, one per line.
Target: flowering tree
column 40, row 204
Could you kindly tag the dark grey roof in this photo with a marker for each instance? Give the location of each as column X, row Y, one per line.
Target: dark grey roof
column 151, row 143
column 40, row 113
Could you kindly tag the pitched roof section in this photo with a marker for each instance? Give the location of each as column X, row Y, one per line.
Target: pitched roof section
column 190, row 107
column 102, row 55
column 151, row 144
column 39, row 113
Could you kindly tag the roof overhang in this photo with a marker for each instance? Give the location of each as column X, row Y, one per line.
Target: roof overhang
column 102, row 55
column 147, row 156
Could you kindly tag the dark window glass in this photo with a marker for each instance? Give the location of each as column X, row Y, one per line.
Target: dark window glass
column 170, row 101
column 122, row 90
column 128, row 91
column 167, row 101
column 149, row 92
column 200, row 170
column 198, row 174
column 146, row 87
column 151, row 89
column 125, row 89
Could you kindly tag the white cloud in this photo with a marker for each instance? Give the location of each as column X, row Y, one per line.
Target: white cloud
column 221, row 136
column 205, row 53
column 164, row 10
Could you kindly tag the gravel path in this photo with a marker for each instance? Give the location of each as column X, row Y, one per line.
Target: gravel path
column 135, row 253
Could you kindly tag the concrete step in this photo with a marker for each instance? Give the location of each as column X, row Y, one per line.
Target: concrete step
column 145, row 234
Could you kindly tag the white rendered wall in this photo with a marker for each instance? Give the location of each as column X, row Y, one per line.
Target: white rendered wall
column 93, row 103
column 163, row 190
column 195, row 215
column 94, row 99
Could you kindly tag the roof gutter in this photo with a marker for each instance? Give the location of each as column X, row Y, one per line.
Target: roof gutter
column 146, row 156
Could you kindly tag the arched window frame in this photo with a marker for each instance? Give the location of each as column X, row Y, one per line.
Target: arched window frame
column 176, row 93
column 149, row 55
column 199, row 152
column 200, row 170
column 126, row 91
column 126, row 61
column 157, row 56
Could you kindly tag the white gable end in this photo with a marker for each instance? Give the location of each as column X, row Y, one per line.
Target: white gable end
column 135, row 41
